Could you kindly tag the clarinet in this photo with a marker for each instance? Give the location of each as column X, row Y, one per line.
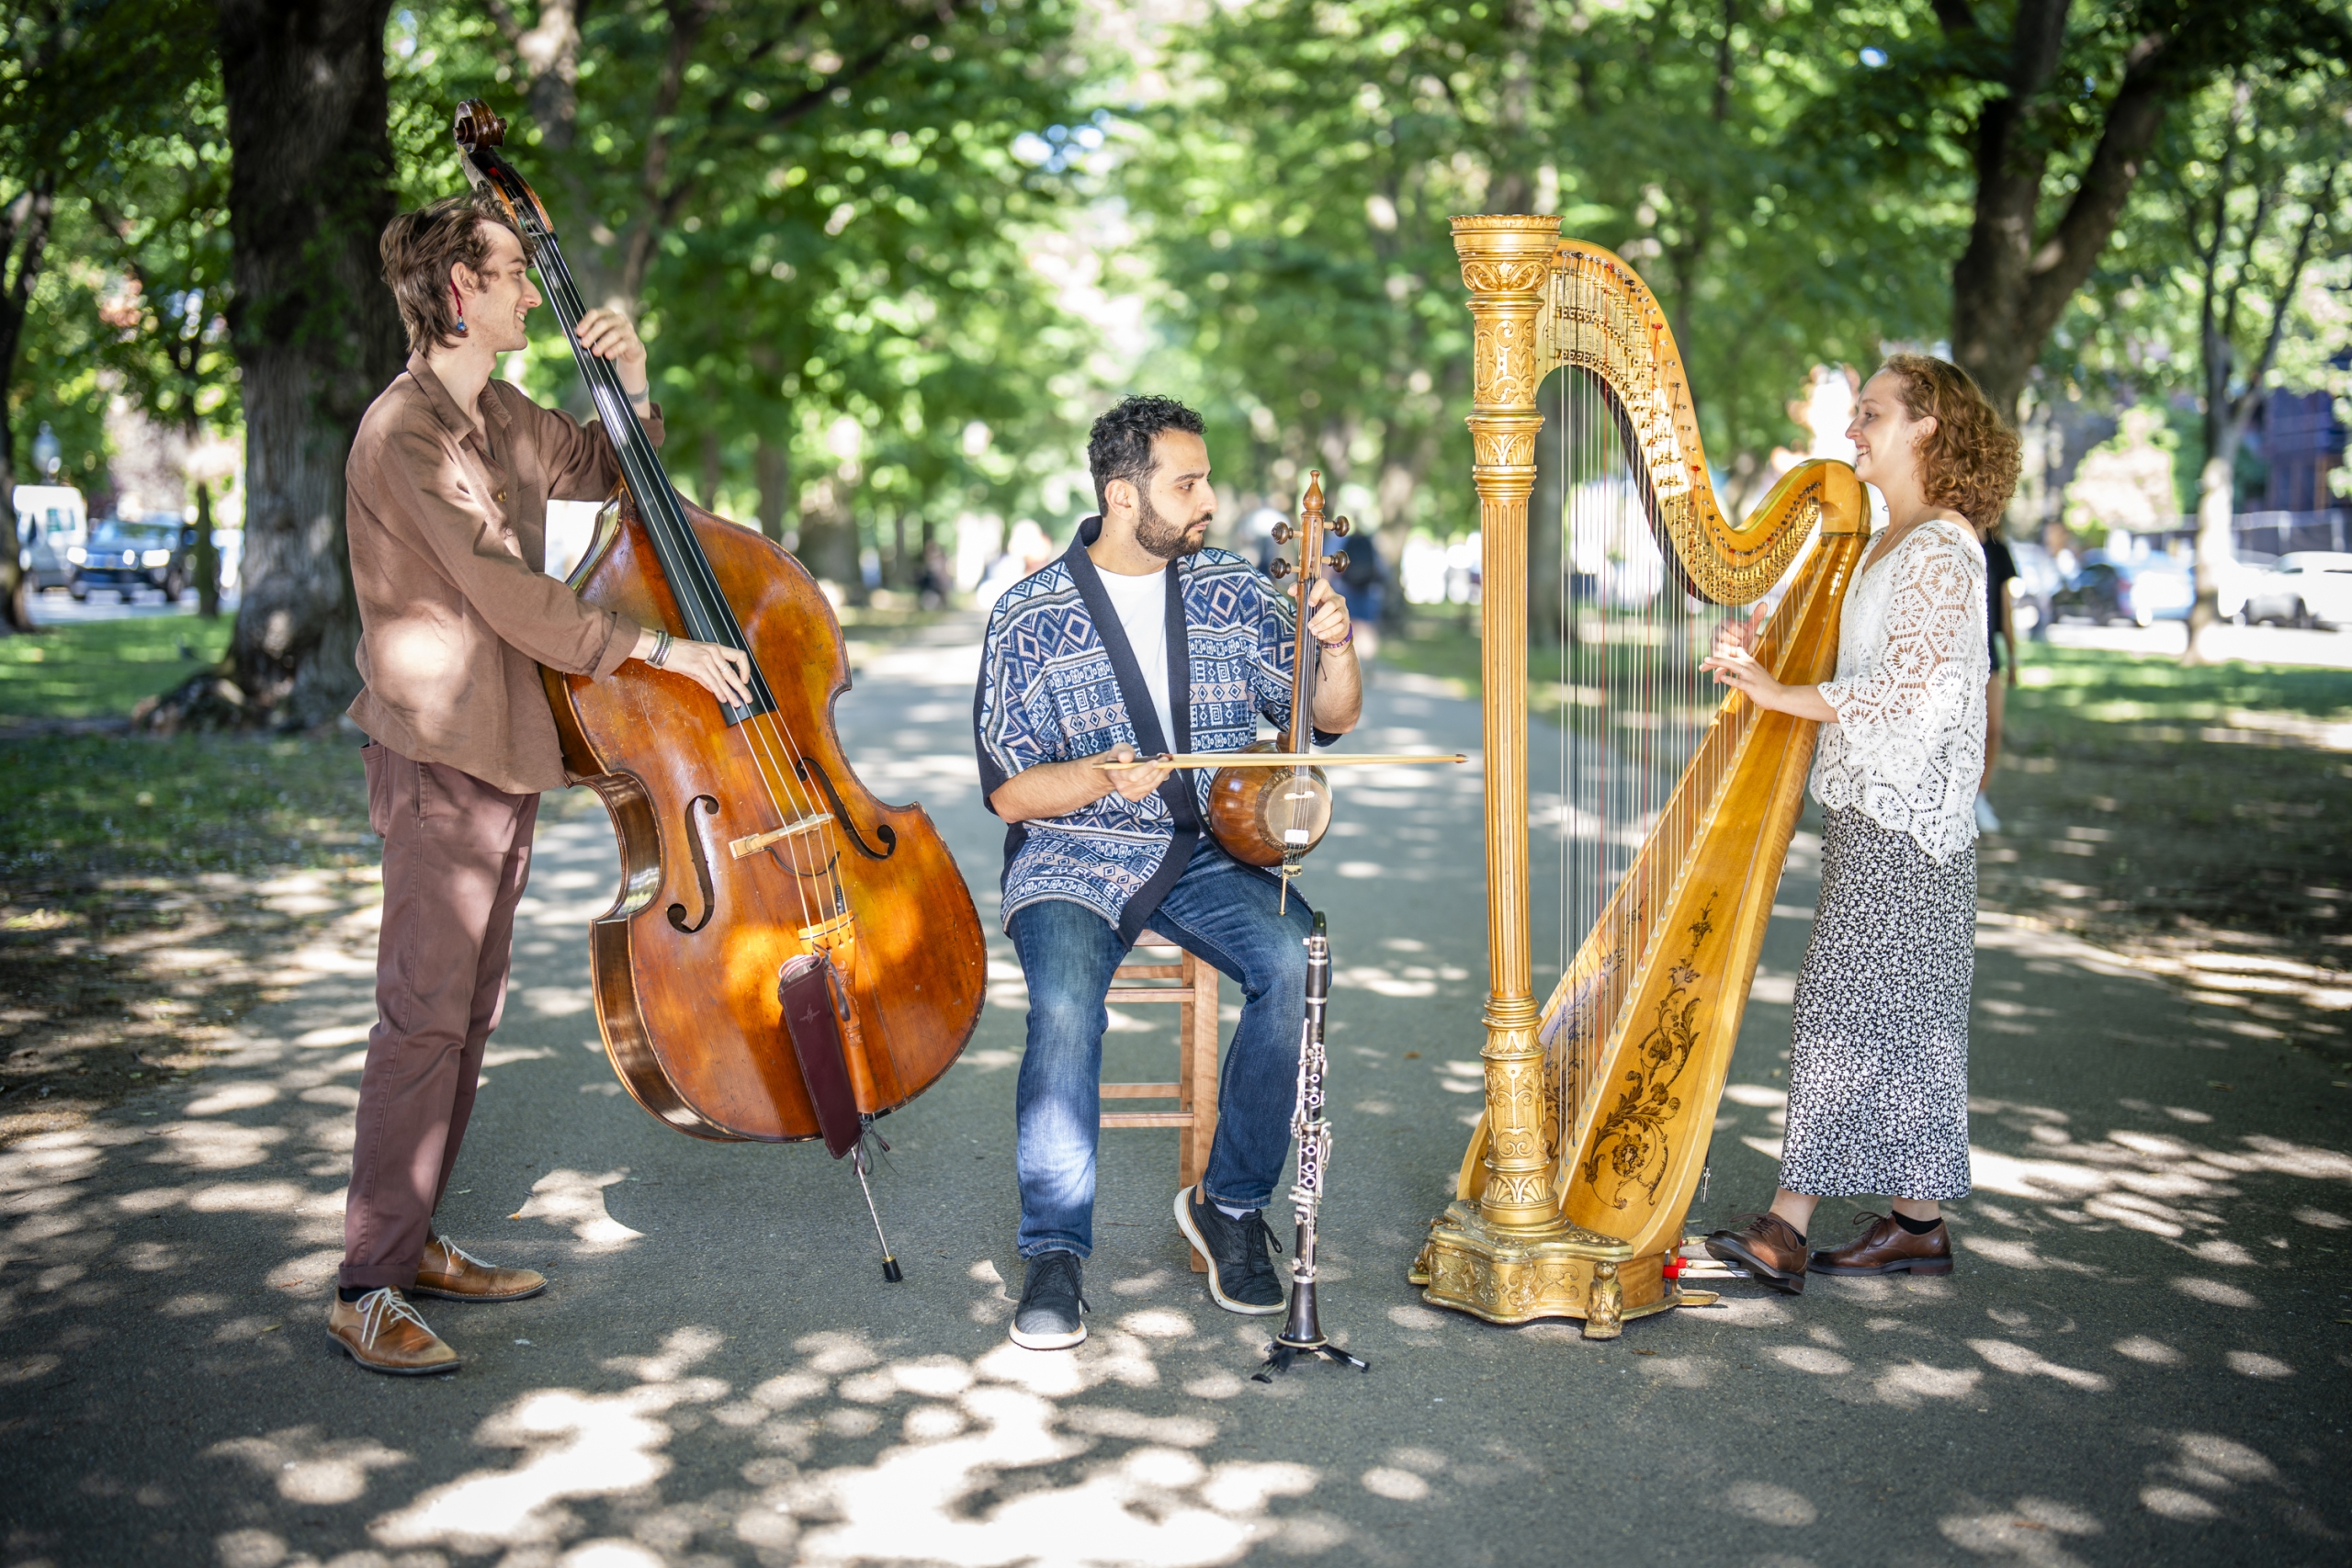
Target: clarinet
column 1302, row 1332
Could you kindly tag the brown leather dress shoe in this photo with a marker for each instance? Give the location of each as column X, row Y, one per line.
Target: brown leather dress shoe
column 452, row 1276
column 382, row 1333
column 1887, row 1249
column 1767, row 1246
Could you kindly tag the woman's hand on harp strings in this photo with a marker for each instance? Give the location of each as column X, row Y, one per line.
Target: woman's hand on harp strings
column 608, row 335
column 1733, row 664
column 1743, row 636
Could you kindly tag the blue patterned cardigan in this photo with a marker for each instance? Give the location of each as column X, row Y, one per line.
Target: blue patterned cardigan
column 1059, row 682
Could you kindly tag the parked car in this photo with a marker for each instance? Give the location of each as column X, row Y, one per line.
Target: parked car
column 2030, row 590
column 51, row 521
column 126, row 556
column 2247, row 574
column 2156, row 588
column 2310, row 588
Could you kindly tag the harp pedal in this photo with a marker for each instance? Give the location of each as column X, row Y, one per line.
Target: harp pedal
column 754, row 844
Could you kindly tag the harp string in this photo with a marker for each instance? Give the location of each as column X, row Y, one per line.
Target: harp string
column 1644, row 746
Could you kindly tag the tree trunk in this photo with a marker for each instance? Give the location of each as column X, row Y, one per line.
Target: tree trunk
column 207, row 556
column 2013, row 281
column 713, row 472
column 551, row 53
column 316, row 331
column 772, row 471
column 24, row 235
column 829, row 539
column 2229, row 416
column 1512, row 188
column 2216, row 546
column 1404, row 463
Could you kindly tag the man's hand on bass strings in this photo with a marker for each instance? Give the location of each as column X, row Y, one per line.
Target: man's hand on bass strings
column 724, row 673
column 608, row 335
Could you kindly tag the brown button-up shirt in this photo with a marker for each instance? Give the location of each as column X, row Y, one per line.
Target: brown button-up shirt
column 448, row 547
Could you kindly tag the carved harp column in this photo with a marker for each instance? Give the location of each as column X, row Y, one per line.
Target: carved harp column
column 1505, row 263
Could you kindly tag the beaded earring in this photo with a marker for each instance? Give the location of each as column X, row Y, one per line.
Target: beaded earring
column 461, row 304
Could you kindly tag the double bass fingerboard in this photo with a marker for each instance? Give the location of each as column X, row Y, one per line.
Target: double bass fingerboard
column 703, row 609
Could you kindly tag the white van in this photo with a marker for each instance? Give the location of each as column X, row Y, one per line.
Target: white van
column 53, row 527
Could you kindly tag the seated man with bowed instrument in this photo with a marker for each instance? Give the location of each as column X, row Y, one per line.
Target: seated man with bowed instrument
column 1139, row 641
column 449, row 479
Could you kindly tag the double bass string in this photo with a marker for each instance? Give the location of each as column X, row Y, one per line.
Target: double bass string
column 701, row 602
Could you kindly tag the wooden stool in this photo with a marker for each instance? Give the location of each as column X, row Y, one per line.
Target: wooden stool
column 1195, row 1091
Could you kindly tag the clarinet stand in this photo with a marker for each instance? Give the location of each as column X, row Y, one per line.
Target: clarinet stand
column 1302, row 1332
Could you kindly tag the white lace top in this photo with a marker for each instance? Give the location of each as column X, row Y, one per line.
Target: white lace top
column 1908, row 746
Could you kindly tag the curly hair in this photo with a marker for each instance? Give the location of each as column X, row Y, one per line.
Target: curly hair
column 418, row 248
column 1971, row 462
column 1119, row 446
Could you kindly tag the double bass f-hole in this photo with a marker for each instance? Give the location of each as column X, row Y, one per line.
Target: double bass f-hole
column 811, row 772
column 702, row 866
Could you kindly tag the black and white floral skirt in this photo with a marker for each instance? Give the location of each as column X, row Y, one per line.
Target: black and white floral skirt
column 1878, row 1067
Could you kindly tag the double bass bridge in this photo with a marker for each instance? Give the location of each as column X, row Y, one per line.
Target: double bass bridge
column 753, row 843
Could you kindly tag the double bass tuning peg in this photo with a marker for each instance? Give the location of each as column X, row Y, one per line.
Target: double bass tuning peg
column 1340, row 525
column 1281, row 533
column 1278, row 569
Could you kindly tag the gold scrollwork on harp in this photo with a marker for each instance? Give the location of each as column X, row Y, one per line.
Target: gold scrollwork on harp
column 1636, row 1133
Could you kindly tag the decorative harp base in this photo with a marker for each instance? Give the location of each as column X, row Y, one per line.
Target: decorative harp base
column 1563, row 1271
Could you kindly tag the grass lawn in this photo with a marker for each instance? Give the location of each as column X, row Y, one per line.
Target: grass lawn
column 122, row 854
column 2191, row 808
column 85, row 809
column 98, row 668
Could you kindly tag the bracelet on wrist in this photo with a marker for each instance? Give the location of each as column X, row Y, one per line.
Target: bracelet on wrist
column 1335, row 646
column 661, row 655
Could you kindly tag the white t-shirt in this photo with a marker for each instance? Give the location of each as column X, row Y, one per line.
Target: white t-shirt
column 1142, row 604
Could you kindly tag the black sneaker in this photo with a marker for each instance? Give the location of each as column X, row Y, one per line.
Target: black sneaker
column 1049, row 1317
column 1241, row 1277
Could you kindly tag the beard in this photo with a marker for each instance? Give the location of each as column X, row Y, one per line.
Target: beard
column 1159, row 536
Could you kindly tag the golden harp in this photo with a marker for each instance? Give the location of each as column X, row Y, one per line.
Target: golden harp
column 1673, row 810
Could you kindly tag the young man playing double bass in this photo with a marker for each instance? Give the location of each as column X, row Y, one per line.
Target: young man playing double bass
column 1140, row 640
column 449, row 479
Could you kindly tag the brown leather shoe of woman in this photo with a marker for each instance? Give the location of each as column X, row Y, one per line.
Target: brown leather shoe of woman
column 1767, row 1246
column 382, row 1333
column 1887, row 1249
column 455, row 1276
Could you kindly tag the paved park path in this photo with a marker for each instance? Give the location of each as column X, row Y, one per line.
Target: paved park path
column 2142, row 1357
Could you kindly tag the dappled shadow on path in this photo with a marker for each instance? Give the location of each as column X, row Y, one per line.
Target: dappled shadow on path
column 2138, row 1361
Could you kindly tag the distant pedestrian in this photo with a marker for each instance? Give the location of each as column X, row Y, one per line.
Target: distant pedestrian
column 2001, row 644
column 1877, row 1064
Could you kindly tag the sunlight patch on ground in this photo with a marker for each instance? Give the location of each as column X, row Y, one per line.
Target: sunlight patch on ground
column 987, row 1458
column 574, row 1200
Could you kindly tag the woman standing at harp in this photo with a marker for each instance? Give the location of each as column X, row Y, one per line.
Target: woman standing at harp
column 1878, row 1066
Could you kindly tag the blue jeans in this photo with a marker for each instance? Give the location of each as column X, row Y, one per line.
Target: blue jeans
column 1222, row 911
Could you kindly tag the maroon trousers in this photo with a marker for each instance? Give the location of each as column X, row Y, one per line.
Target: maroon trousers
column 456, row 855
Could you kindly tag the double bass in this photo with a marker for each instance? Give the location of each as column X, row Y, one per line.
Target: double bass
column 788, row 958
